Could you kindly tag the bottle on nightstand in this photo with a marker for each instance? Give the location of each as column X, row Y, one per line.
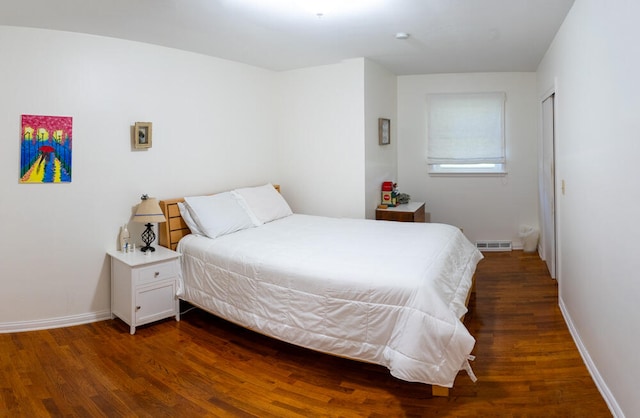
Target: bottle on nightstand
column 124, row 238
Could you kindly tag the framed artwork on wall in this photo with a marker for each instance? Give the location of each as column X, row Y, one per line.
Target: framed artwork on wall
column 45, row 149
column 142, row 135
column 384, row 131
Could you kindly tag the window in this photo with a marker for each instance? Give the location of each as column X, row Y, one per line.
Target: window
column 466, row 133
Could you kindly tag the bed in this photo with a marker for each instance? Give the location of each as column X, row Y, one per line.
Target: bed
column 383, row 292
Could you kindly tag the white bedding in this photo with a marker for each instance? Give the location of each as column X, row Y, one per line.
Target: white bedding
column 389, row 293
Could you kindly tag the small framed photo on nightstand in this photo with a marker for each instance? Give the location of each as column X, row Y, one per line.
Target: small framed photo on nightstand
column 384, row 131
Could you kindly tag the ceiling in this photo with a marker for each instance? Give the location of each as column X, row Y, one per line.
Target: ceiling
column 445, row 36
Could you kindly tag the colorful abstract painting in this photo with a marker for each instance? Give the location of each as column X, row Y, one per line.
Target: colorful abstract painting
column 45, row 149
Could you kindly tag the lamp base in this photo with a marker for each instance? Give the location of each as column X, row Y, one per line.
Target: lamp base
column 147, row 237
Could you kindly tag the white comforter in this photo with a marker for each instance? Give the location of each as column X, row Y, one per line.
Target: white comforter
column 389, row 293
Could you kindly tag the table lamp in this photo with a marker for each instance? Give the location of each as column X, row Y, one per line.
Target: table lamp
column 148, row 211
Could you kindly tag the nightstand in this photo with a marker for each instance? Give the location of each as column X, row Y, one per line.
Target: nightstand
column 144, row 286
column 407, row 212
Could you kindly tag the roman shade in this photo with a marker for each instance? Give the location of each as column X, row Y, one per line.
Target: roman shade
column 466, row 128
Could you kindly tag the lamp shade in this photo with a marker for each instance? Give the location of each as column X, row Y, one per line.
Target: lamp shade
column 149, row 211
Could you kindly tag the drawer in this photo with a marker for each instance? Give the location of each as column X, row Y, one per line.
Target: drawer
column 157, row 272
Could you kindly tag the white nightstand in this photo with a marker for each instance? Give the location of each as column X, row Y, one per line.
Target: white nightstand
column 144, row 286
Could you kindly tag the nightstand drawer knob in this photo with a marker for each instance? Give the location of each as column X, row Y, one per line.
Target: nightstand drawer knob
column 156, row 274
column 137, row 308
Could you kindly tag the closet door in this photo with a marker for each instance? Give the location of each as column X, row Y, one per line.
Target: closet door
column 548, row 198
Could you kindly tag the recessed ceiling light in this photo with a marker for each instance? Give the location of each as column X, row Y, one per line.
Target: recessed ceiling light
column 402, row 35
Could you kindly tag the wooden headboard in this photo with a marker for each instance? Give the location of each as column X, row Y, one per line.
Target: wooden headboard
column 175, row 228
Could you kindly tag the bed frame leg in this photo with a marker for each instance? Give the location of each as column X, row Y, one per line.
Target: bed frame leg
column 439, row 391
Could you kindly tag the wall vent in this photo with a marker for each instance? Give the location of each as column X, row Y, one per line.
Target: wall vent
column 494, row 245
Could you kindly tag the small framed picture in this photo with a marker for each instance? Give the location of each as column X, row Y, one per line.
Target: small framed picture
column 142, row 135
column 384, row 131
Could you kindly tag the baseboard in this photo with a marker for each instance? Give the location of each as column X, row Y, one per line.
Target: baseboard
column 593, row 370
column 65, row 321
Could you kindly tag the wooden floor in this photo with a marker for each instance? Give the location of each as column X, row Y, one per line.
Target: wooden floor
column 527, row 365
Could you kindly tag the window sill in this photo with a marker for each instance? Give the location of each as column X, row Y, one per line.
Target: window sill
column 468, row 174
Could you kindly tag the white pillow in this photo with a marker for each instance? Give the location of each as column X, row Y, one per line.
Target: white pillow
column 188, row 219
column 218, row 214
column 264, row 203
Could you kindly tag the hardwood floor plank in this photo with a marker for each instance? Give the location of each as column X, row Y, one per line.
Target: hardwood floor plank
column 527, row 365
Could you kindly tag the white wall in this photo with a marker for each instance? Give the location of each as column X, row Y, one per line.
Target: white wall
column 487, row 208
column 381, row 160
column 594, row 63
column 216, row 125
column 321, row 139
column 213, row 129
column 330, row 159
